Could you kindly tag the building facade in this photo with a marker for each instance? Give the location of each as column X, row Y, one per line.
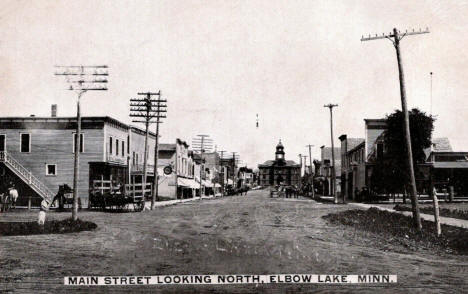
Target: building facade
column 43, row 147
column 279, row 171
column 176, row 169
column 326, row 169
column 442, row 166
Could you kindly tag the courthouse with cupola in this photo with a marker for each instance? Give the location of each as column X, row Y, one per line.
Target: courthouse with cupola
column 279, row 171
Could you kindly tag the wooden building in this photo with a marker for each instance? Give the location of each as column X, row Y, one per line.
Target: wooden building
column 180, row 183
column 37, row 153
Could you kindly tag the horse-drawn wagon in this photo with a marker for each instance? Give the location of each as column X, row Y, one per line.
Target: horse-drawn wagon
column 111, row 195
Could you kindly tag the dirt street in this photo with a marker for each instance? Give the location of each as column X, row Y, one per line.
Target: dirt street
column 250, row 234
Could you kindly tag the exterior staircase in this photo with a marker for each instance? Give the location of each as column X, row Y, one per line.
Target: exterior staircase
column 27, row 177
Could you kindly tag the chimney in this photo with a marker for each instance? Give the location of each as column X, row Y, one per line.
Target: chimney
column 54, row 110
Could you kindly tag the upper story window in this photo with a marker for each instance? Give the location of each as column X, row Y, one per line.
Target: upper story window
column 123, row 148
column 81, row 142
column 128, row 144
column 51, row 169
column 2, row 143
column 110, row 145
column 116, row 147
column 380, row 151
column 25, row 143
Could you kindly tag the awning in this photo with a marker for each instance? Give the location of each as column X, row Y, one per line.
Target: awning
column 188, row 183
column 207, row 184
column 217, row 185
column 183, row 182
column 451, row 164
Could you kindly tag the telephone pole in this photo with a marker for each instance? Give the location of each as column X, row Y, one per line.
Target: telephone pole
column 235, row 159
column 300, row 163
column 148, row 110
column 202, row 143
column 311, row 174
column 395, row 38
column 222, row 167
column 333, row 174
column 305, row 164
column 81, row 80
column 431, row 93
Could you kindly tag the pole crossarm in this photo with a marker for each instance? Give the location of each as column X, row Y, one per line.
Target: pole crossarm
column 82, row 66
column 391, row 35
column 150, row 93
column 146, row 99
column 144, row 121
column 84, row 78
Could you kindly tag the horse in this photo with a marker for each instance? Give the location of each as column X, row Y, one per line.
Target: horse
column 5, row 202
column 13, row 197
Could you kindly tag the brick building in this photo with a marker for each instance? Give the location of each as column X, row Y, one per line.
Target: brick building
column 279, row 171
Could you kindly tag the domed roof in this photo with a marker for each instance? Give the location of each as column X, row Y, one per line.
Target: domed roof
column 280, row 144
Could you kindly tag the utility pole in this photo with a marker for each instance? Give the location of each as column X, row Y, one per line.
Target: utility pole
column 222, row 167
column 201, row 143
column 397, row 37
column 333, row 174
column 310, row 169
column 148, row 110
column 235, row 158
column 431, row 93
column 160, row 108
column 300, row 163
column 81, row 79
column 305, row 164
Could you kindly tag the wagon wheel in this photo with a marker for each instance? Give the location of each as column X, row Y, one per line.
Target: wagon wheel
column 103, row 203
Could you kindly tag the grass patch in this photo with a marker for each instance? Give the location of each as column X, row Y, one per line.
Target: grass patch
column 398, row 229
column 50, row 227
column 447, row 212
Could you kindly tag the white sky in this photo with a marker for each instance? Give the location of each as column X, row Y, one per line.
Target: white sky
column 221, row 62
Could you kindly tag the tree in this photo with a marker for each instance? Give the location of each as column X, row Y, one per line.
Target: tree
column 391, row 173
column 421, row 127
